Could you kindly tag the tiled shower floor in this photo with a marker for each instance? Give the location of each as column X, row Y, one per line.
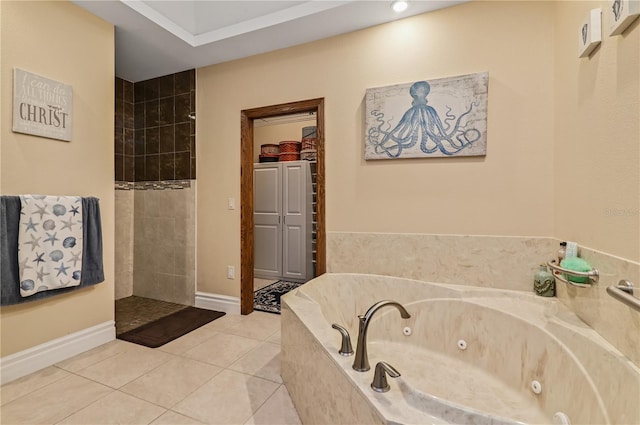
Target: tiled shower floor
column 132, row 312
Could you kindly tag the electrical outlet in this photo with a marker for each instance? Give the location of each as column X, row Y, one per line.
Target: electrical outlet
column 231, row 272
column 232, row 204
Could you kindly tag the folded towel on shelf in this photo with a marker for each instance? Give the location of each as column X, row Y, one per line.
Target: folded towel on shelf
column 92, row 271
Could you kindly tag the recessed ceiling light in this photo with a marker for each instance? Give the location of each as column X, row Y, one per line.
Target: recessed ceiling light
column 399, row 6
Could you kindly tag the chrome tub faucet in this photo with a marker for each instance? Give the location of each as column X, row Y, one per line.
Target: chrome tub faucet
column 361, row 361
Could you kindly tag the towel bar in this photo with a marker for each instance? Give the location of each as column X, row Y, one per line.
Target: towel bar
column 593, row 275
column 623, row 292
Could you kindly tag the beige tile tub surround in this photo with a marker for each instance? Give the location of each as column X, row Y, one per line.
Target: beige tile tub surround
column 615, row 321
column 512, row 336
column 320, row 392
column 489, row 261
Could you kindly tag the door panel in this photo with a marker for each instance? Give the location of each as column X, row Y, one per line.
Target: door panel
column 267, row 229
column 293, row 260
column 294, row 250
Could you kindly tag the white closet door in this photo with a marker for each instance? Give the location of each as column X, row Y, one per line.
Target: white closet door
column 267, row 209
column 294, row 220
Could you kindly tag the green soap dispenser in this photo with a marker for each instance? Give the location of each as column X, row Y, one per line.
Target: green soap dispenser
column 544, row 283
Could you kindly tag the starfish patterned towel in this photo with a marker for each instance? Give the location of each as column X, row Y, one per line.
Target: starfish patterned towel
column 49, row 243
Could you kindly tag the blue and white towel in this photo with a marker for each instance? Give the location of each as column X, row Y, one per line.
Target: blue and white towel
column 49, row 243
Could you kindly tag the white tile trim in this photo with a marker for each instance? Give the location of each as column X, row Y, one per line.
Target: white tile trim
column 230, row 305
column 24, row 362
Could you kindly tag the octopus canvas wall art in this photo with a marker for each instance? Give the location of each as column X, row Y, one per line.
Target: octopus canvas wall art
column 443, row 117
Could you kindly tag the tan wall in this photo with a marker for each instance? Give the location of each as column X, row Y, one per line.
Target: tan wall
column 597, row 136
column 63, row 42
column 508, row 192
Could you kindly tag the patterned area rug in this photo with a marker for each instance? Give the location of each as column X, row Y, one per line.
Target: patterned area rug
column 268, row 298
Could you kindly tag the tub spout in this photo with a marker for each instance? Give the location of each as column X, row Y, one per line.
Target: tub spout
column 361, row 361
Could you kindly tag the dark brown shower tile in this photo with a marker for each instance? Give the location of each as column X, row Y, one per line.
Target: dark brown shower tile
column 192, row 79
column 167, row 166
column 152, row 167
column 129, row 168
column 192, row 147
column 166, row 111
column 128, row 91
column 167, row 139
column 119, row 114
column 128, row 115
column 165, row 86
column 183, row 165
column 128, row 141
column 119, row 88
column 152, row 141
column 183, row 108
column 138, row 92
column 182, row 82
column 118, row 140
column 151, row 89
column 193, row 168
column 193, row 127
column 182, row 140
column 139, row 115
column 193, row 100
column 151, row 113
column 139, row 168
column 119, row 168
column 138, row 137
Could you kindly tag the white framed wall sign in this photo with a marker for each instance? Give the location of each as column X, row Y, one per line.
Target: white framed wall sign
column 621, row 14
column 590, row 33
column 41, row 106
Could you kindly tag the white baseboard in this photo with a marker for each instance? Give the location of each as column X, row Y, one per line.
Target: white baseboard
column 230, row 305
column 19, row 364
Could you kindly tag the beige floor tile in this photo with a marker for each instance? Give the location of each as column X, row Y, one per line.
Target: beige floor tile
column 116, row 408
column 54, row 402
column 30, row 383
column 222, row 349
column 123, row 368
column 187, row 342
column 171, row 382
column 277, row 410
column 173, row 418
column 257, row 325
column 96, row 355
column 226, row 321
column 263, row 362
column 276, row 338
column 229, row 398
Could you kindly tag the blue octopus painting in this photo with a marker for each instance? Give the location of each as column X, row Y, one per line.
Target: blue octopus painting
column 422, row 131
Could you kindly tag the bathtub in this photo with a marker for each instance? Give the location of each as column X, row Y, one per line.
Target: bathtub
column 467, row 355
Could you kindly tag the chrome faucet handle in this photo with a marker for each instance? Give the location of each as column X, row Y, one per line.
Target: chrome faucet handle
column 379, row 383
column 345, row 349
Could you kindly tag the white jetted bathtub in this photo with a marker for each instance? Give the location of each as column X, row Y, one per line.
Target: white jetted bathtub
column 467, row 355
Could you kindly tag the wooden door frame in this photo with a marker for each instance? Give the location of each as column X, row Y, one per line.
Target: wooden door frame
column 246, row 190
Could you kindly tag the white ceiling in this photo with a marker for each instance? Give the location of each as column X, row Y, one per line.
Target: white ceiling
column 155, row 38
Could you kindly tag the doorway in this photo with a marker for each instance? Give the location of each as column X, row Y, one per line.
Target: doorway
column 247, row 117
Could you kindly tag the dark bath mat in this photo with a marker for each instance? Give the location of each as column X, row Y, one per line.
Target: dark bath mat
column 170, row 327
column 268, row 298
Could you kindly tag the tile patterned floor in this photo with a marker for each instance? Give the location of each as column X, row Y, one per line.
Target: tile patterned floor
column 132, row 312
column 226, row 372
